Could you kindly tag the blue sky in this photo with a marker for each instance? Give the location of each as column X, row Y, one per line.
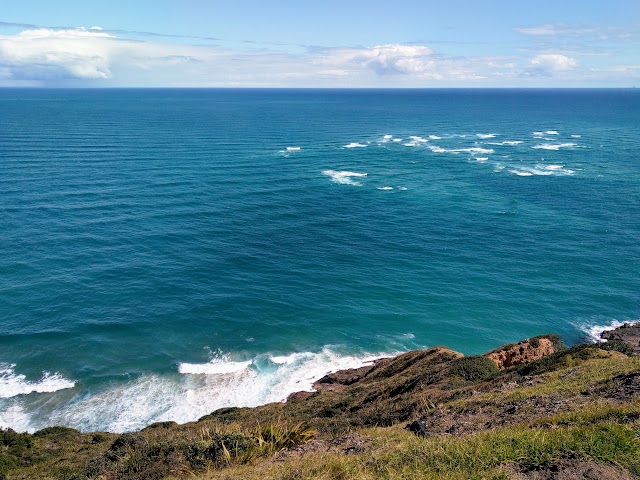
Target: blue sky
column 281, row 43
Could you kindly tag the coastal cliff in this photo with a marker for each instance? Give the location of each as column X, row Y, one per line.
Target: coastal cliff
column 530, row 410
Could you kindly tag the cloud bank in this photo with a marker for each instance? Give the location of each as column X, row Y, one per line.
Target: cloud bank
column 97, row 57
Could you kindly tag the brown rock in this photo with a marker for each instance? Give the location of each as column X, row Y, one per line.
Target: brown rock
column 332, row 381
column 522, row 352
column 629, row 333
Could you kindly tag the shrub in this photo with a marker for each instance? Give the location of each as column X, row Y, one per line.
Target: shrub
column 474, row 368
column 55, row 431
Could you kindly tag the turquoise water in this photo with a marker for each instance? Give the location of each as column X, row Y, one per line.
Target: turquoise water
column 169, row 252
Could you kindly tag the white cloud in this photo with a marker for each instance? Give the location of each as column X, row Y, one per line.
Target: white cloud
column 79, row 56
column 386, row 59
column 551, row 63
column 43, row 52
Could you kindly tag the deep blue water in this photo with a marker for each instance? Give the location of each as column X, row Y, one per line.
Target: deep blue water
column 168, row 252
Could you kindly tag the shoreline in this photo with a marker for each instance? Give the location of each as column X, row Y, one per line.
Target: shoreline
column 290, row 377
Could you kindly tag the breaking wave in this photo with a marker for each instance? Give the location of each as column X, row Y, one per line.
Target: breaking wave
column 344, row 177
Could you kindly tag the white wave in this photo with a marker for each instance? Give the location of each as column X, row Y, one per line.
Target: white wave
column 344, row 177
column 551, row 132
column 418, row 139
column 397, row 139
column 402, row 188
column 506, row 142
column 576, row 136
column 182, row 398
column 538, row 134
column 482, row 159
column 435, row 137
column 355, row 145
column 540, row 169
column 485, row 135
column 521, row 173
column 594, row 331
column 387, row 137
column 13, row 384
column 15, row 417
column 436, row 149
column 473, row 150
column 293, row 149
column 215, row 366
column 554, row 146
column 385, row 188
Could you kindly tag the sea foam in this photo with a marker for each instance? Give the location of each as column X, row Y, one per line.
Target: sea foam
column 13, row 384
column 355, row 145
column 554, row 146
column 593, row 330
column 197, row 390
column 344, row 177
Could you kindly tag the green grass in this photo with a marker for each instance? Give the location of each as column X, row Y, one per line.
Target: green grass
column 396, row 454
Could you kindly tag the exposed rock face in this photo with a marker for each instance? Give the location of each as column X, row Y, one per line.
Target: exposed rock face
column 522, row 352
column 629, row 333
column 336, row 380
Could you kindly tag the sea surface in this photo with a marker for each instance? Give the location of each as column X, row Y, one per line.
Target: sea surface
column 164, row 253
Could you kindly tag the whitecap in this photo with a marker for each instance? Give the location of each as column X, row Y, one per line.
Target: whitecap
column 521, row 173
column 385, row 188
column 554, row 146
column 506, row 142
column 576, row 136
column 485, row 135
column 344, row 177
column 293, row 149
column 355, row 145
column 474, row 150
column 436, row 149
column 482, row 159
column 551, row 132
column 397, row 139
column 418, row 139
column 435, row 137
column 13, row 384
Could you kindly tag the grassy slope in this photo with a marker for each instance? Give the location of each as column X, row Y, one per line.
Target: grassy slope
column 483, row 424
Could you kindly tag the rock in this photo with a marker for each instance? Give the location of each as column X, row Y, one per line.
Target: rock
column 346, row 377
column 298, row 396
column 629, row 334
column 419, row 428
column 522, row 352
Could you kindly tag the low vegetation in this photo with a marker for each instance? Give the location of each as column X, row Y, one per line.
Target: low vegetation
column 573, row 411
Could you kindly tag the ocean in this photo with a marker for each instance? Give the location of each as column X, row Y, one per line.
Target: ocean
column 165, row 253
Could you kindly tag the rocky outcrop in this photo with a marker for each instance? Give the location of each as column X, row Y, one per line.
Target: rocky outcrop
column 522, row 352
column 629, row 334
column 336, row 380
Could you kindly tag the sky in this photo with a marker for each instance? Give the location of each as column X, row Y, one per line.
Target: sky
column 324, row 44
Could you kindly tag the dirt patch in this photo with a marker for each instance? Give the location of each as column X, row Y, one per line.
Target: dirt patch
column 579, row 470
